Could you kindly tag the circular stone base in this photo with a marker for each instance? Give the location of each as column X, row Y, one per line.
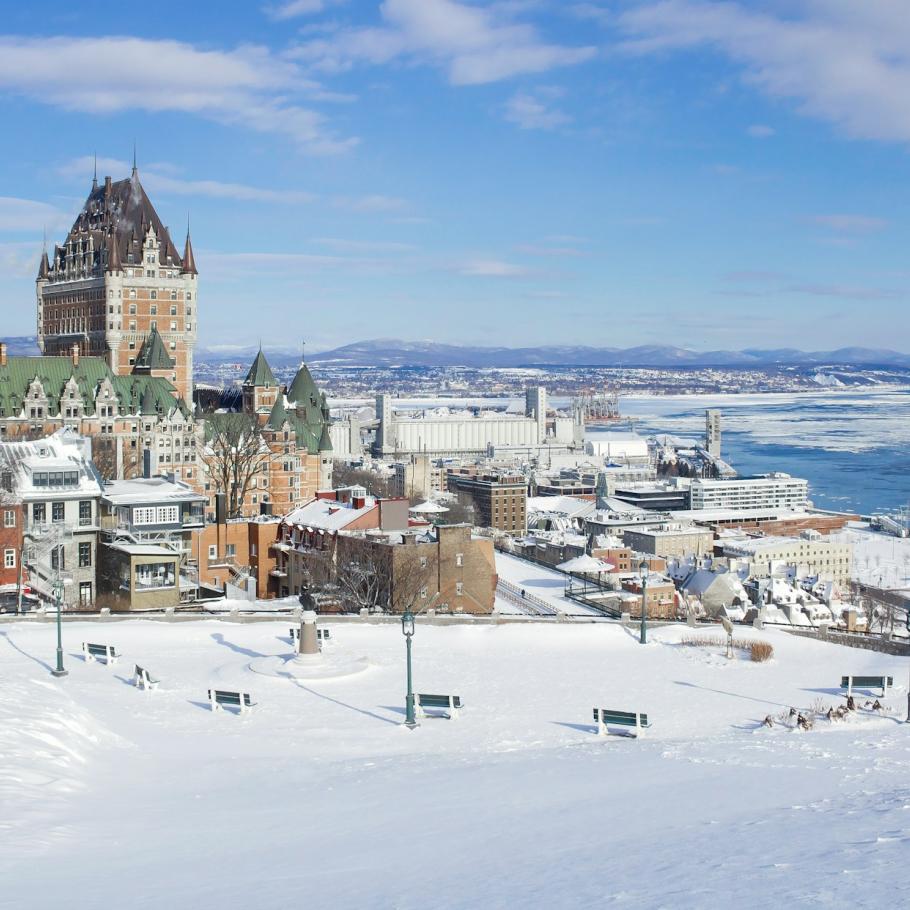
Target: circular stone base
column 305, row 667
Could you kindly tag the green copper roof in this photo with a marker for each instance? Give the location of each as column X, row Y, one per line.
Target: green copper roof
column 54, row 374
column 260, row 373
column 153, row 355
column 303, row 390
column 278, row 415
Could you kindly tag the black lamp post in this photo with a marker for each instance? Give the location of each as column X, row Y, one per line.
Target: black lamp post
column 407, row 628
column 643, row 569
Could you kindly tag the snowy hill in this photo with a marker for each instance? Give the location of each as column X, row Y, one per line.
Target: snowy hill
column 320, row 798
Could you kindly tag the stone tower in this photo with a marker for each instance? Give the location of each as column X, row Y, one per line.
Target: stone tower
column 117, row 278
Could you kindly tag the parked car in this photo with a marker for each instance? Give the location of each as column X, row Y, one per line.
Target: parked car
column 9, row 601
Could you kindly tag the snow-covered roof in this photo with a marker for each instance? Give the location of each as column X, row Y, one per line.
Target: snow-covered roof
column 148, row 489
column 328, row 515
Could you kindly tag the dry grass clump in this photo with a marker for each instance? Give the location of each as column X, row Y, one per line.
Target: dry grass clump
column 759, row 651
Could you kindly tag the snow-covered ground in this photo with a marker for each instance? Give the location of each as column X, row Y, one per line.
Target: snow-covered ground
column 319, row 798
column 547, row 584
column 878, row 559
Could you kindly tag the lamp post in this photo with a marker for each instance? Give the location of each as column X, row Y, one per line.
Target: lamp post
column 643, row 572
column 58, row 596
column 407, row 628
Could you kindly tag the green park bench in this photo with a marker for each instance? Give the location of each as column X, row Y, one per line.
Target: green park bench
column 221, row 697
column 866, row 682
column 93, row 651
column 142, row 679
column 606, row 718
column 451, row 703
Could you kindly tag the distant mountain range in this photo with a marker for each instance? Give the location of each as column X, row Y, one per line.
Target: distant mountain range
column 394, row 352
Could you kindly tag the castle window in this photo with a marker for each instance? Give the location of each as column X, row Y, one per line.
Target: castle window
column 173, row 308
column 154, row 308
column 173, row 326
column 189, row 295
column 132, row 293
column 174, row 297
column 154, row 324
column 132, row 309
column 132, row 345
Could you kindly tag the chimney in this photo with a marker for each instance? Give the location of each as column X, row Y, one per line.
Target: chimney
column 3, row 357
column 107, row 186
column 359, row 502
column 146, row 463
column 75, row 355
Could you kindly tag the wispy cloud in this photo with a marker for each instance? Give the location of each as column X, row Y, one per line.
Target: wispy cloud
column 760, row 131
column 248, row 87
column 849, row 223
column 842, row 62
column 159, row 177
column 492, row 268
column 474, row 45
column 371, row 203
column 533, row 112
column 19, row 260
column 363, row 246
column 23, row 215
column 281, row 12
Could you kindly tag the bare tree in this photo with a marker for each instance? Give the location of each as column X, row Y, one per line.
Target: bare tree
column 234, row 454
column 412, row 574
column 362, row 573
column 104, row 457
column 345, row 475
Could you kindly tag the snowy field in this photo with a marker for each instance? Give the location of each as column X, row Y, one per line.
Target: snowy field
column 319, row 798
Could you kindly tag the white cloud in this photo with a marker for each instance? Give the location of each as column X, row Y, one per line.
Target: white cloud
column 761, row 131
column 532, row 113
column 158, row 178
column 282, row 11
column 849, row 224
column 247, row 87
column 474, row 45
column 843, row 62
column 363, row 246
column 23, row 215
column 492, row 268
column 375, row 202
column 19, row 260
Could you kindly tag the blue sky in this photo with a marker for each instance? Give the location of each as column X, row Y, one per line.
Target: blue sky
column 714, row 175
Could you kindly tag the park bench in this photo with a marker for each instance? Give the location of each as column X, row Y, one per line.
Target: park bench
column 866, row 682
column 142, row 679
column 450, row 703
column 607, row 718
column 94, row 651
column 220, row 697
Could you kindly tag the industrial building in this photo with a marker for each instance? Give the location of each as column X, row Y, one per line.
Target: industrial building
column 479, row 433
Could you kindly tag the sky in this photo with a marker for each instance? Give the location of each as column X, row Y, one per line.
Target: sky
column 714, row 175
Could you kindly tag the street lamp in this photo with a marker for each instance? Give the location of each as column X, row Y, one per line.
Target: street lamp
column 407, row 629
column 643, row 569
column 59, row 582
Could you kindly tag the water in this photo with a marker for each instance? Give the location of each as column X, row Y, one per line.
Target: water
column 852, row 446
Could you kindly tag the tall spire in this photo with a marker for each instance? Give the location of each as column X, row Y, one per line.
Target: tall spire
column 135, row 169
column 95, row 173
column 189, row 263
